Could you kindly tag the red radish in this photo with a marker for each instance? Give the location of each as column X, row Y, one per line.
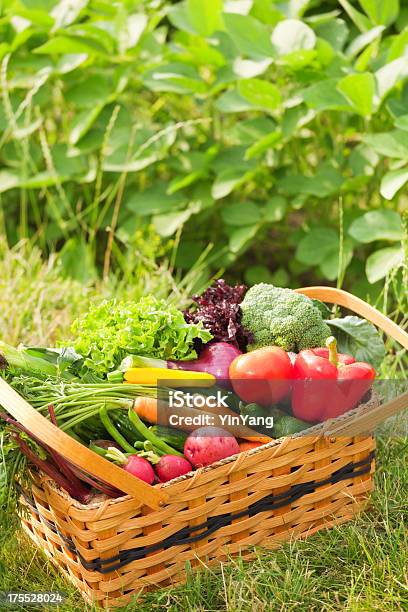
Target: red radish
column 141, row 468
column 171, row 466
column 209, row 444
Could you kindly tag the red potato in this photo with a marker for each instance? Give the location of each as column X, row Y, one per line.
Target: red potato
column 141, row 468
column 207, row 445
column 171, row 466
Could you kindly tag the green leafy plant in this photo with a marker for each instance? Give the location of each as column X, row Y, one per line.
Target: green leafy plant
column 246, row 122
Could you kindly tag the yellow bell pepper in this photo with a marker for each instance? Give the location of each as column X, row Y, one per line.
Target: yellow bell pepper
column 175, row 378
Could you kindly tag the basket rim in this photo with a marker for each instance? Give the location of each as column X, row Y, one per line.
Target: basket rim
column 316, row 431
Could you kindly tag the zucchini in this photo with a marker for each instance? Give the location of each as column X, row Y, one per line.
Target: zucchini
column 125, row 427
column 288, row 425
column 173, row 437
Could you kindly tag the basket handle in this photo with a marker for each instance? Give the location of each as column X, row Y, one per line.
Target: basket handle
column 356, row 424
column 75, row 452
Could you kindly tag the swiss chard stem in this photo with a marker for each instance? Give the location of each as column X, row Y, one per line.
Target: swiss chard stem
column 52, row 471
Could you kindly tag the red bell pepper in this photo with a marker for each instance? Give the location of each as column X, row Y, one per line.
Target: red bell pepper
column 328, row 384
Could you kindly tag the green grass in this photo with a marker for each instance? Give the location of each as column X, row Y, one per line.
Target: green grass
column 38, row 303
column 360, row 566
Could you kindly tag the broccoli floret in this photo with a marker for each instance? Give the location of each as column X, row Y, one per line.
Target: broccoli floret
column 282, row 317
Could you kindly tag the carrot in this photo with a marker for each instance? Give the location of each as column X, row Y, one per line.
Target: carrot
column 246, row 433
column 246, row 446
column 146, row 408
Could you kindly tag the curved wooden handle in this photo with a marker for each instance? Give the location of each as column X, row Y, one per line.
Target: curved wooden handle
column 331, row 295
column 75, row 452
column 366, row 421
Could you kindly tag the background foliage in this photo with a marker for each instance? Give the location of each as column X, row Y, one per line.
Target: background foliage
column 277, row 131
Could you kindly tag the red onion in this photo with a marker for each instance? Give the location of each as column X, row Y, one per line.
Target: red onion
column 214, row 359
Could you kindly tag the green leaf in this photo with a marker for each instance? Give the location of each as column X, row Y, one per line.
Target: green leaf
column 326, row 182
column 317, row 245
column 95, row 35
column 249, row 131
column 359, row 338
column 324, row 309
column 132, row 31
column 330, row 265
column 292, row 35
column 392, row 182
column 66, row 44
column 401, row 122
column 242, row 213
column 176, row 78
column 77, row 260
column 90, row 91
column 260, row 94
column 398, row 45
column 389, row 76
column 37, row 14
column 118, row 161
column 382, row 12
column 363, row 40
column 8, row 180
column 250, row 36
column 70, row 62
column 154, row 200
column 167, row 225
column 381, row 262
column 247, row 69
column 179, row 17
column 391, row 144
column 381, row 224
column 335, row 32
column 324, row 96
column 83, row 122
column 359, row 90
column 363, row 161
column 240, row 237
column 258, row 274
column 296, row 117
column 227, row 181
column 205, row 17
column 267, row 11
column 396, row 107
column 66, row 11
column 365, row 58
column 298, row 7
column 358, row 18
column 231, row 102
column 275, row 209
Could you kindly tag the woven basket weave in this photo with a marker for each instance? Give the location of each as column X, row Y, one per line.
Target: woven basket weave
column 113, row 549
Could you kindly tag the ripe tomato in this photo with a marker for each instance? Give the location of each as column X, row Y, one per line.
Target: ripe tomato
column 262, row 376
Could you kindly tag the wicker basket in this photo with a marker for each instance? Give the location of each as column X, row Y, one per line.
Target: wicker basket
column 113, row 550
